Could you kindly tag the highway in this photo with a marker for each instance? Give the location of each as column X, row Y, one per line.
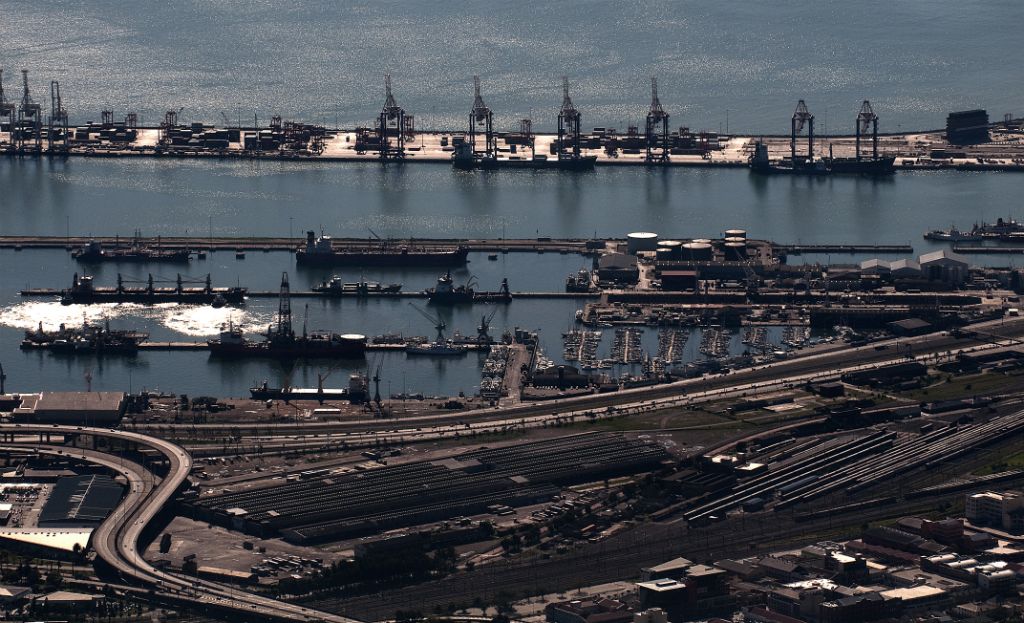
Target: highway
column 117, row 540
column 269, row 438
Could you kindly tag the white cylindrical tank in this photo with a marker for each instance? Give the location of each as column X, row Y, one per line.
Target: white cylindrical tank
column 641, row 241
column 736, row 233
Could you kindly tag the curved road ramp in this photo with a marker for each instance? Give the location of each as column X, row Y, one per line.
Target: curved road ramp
column 117, row 539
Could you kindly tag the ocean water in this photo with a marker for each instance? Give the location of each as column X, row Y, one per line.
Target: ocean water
column 740, row 65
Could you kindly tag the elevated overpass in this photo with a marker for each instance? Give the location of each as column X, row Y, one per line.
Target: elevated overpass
column 117, row 539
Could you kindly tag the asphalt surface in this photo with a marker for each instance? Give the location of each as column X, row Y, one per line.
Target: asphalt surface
column 117, row 539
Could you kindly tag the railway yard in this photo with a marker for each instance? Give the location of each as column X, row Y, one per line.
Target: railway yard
column 716, row 401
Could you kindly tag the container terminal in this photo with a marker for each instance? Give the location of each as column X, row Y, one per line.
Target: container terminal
column 969, row 141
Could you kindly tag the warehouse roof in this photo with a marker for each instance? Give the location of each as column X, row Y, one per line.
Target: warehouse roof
column 942, row 254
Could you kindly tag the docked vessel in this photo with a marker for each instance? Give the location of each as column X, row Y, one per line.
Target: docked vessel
column 281, row 341
column 1007, row 229
column 136, row 251
column 320, row 251
column 954, row 235
column 336, row 287
column 84, row 291
column 582, row 281
column 445, row 292
column 355, row 392
column 869, row 166
column 85, row 339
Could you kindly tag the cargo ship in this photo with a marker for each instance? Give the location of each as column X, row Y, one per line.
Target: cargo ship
column 336, row 287
column 94, row 252
column 445, row 292
column 868, row 166
column 232, row 343
column 281, row 341
column 355, row 392
column 85, row 339
column 320, row 251
column 83, row 292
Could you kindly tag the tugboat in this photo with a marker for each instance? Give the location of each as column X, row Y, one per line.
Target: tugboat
column 281, row 341
column 93, row 252
column 336, row 287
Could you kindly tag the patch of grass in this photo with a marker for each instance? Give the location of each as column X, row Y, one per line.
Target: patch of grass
column 1002, row 464
column 965, row 387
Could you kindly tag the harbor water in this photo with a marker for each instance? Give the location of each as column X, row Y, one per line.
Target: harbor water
column 100, row 196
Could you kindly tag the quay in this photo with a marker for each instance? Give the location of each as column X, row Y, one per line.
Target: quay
column 194, row 346
column 971, row 250
column 51, row 292
column 882, row 249
column 563, row 246
column 913, row 151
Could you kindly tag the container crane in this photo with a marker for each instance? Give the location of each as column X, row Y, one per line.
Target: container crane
column 867, row 120
column 801, row 117
column 481, row 118
column 656, row 136
column 391, row 122
column 568, row 126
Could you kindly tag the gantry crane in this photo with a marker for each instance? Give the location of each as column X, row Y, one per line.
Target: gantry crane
column 7, row 110
column 391, row 123
column 29, row 135
column 656, row 136
column 482, row 119
column 802, row 117
column 568, row 126
column 57, row 130
column 867, row 120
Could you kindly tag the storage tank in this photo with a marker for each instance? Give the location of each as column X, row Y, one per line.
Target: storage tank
column 354, row 343
column 735, row 250
column 702, row 240
column 736, row 233
column 664, row 254
column 675, row 246
column 641, row 241
column 697, row 251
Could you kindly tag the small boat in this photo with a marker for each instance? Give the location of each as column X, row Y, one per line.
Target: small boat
column 493, row 257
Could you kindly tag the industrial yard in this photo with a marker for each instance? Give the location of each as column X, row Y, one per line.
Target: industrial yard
column 592, row 360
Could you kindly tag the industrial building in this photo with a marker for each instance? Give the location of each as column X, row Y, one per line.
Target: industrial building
column 944, row 265
column 85, row 408
column 968, row 127
column 80, row 501
column 1003, row 510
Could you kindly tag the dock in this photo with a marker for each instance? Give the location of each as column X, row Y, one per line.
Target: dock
column 53, row 292
column 370, row 346
column 978, row 249
column 267, row 244
column 880, row 249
